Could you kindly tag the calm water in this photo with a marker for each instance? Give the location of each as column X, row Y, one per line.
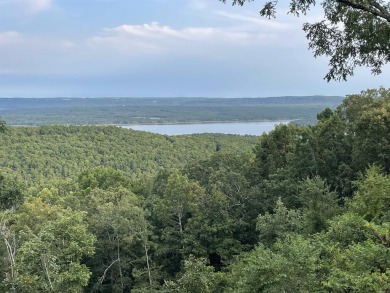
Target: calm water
column 242, row 128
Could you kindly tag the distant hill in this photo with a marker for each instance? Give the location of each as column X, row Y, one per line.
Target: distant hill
column 92, row 111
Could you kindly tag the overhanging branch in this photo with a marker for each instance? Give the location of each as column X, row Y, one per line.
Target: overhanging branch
column 376, row 10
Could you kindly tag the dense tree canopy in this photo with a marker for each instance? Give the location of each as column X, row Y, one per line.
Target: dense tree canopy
column 306, row 211
column 353, row 33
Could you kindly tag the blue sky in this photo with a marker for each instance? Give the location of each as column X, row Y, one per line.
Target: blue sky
column 95, row 48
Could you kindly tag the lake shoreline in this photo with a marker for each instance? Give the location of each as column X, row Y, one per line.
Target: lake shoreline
column 170, row 123
column 238, row 128
column 201, row 122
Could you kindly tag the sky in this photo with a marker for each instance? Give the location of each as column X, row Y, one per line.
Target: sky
column 161, row 48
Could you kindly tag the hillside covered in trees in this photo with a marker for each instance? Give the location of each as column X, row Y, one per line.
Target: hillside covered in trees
column 47, row 152
column 104, row 209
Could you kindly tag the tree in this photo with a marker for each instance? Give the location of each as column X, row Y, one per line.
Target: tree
column 372, row 137
column 355, row 256
column 197, row 277
column 7, row 250
column 333, row 151
column 273, row 149
column 362, row 267
column 372, row 199
column 278, row 225
column 3, row 125
column 213, row 232
column 225, row 222
column 11, row 192
column 175, row 199
column 353, row 32
column 319, row 204
column 290, row 265
column 119, row 223
column 50, row 244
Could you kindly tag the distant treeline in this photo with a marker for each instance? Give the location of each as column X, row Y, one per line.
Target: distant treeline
column 92, row 111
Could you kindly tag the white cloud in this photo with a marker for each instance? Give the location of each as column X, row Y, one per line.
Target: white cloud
column 156, row 36
column 153, row 29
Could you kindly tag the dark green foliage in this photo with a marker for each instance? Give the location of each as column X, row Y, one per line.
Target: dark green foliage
column 272, row 150
column 116, row 218
column 319, row 204
column 174, row 203
column 2, row 126
column 280, row 185
column 214, row 232
column 11, row 192
column 333, row 142
column 372, row 138
column 101, row 177
column 228, row 207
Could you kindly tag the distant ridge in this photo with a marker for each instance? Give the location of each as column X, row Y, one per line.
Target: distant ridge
column 93, row 111
column 66, row 102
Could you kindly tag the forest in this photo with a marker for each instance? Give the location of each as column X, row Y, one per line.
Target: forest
column 106, row 209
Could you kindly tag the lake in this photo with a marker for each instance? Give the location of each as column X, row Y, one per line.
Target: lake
column 241, row 128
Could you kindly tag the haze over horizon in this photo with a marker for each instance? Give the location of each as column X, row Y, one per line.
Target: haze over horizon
column 160, row 48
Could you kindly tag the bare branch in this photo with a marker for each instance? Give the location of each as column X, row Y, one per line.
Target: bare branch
column 105, row 272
